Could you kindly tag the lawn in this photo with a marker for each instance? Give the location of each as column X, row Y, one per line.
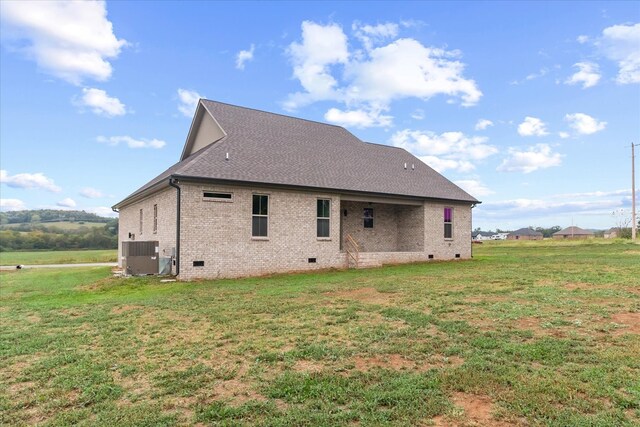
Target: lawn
column 544, row 333
column 58, row 257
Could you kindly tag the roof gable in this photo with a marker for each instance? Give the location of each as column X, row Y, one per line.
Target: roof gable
column 266, row 148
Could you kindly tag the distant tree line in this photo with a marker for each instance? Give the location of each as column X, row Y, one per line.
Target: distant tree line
column 39, row 236
column 49, row 215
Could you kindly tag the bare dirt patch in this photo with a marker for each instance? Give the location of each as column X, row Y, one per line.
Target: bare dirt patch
column 307, row 366
column 631, row 321
column 572, row 286
column 477, row 412
column 397, row 362
column 366, row 295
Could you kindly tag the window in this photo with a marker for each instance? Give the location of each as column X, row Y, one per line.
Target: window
column 211, row 196
column 260, row 218
column 155, row 219
column 140, row 221
column 368, row 217
column 324, row 216
column 448, row 223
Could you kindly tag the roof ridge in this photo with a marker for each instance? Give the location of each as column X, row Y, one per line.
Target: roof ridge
column 280, row 114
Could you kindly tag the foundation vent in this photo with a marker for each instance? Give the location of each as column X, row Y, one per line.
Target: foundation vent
column 430, row 256
column 457, row 255
column 312, row 260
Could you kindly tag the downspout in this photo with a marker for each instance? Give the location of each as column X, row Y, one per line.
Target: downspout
column 473, row 205
column 172, row 182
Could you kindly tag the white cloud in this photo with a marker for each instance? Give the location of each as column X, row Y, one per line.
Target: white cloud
column 584, row 124
column 449, row 150
column 358, row 118
column 188, row 101
column 474, row 187
column 370, row 80
column 69, row 40
column 101, row 103
column 12, row 205
column 621, row 43
column 540, row 156
column 564, row 135
column 593, row 194
column 132, row 142
column 482, row 124
column 102, row 211
column 582, row 39
column 418, row 114
column 370, row 35
column 532, row 126
column 543, row 72
column 67, row 203
column 588, row 75
column 244, row 56
column 321, row 47
column 29, row 181
column 91, row 193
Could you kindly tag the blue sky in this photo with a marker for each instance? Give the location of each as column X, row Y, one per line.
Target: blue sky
column 531, row 107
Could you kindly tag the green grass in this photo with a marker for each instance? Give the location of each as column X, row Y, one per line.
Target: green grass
column 58, row 257
column 63, row 225
column 532, row 333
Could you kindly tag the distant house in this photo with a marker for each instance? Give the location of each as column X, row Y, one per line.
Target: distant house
column 573, row 233
column 256, row 193
column 479, row 236
column 525, row 234
column 612, row 233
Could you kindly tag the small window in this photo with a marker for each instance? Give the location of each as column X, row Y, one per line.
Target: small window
column 260, row 216
column 324, row 217
column 140, row 221
column 368, row 217
column 212, row 196
column 448, row 223
column 155, row 219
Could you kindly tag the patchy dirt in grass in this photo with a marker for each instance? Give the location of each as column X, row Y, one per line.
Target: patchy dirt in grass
column 125, row 308
column 236, row 392
column 477, row 412
column 137, row 385
column 631, row 321
column 33, row 318
column 366, row 295
column 580, row 286
column 307, row 366
column 398, row 362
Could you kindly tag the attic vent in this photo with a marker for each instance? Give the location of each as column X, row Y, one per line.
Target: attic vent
column 216, row 197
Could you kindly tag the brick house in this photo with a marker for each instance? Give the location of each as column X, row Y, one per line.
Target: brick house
column 257, row 192
column 525, row 234
column 573, row 232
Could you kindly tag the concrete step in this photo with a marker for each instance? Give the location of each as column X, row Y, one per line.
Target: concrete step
column 369, row 263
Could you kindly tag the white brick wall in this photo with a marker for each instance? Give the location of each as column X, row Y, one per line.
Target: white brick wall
column 219, row 233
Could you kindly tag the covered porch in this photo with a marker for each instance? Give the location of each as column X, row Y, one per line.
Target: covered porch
column 378, row 231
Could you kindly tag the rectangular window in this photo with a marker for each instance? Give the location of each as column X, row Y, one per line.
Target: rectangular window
column 212, row 196
column 155, row 219
column 368, row 217
column 140, row 221
column 448, row 223
column 324, row 216
column 260, row 216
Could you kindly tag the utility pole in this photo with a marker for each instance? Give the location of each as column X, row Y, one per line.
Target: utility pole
column 634, row 220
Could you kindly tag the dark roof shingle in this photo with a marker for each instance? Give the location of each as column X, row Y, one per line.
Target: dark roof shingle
column 276, row 149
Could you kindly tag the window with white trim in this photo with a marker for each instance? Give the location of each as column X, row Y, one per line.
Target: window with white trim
column 448, row 223
column 260, row 216
column 323, row 218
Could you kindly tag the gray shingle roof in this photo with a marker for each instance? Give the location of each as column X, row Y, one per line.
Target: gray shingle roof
column 526, row 232
column 276, row 149
column 573, row 231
